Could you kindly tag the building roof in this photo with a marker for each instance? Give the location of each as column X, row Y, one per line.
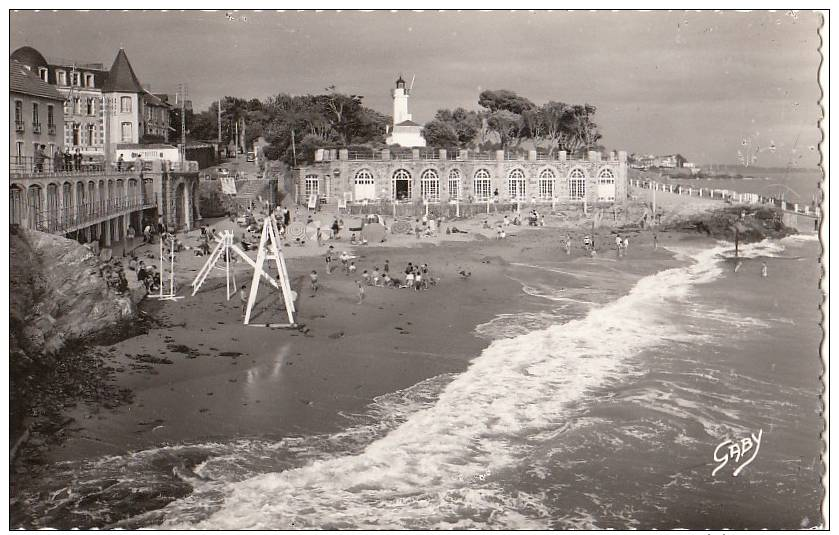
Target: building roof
column 24, row 81
column 154, row 100
column 408, row 123
column 400, row 81
column 121, row 77
column 29, row 56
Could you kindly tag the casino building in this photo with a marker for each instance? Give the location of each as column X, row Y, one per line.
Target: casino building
column 433, row 175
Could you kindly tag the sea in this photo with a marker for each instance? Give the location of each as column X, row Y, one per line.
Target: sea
column 692, row 400
column 801, row 186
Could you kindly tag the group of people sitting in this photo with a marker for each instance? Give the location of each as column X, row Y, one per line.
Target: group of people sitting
column 114, row 275
column 147, row 274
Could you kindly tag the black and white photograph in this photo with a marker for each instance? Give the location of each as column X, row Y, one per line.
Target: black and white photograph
column 418, row 269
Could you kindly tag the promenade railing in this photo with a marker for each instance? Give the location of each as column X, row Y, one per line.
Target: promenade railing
column 727, row 196
column 64, row 219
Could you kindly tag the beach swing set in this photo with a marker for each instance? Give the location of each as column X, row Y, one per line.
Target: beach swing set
column 269, row 249
column 171, row 294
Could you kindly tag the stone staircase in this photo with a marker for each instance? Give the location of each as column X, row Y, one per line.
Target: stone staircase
column 251, row 190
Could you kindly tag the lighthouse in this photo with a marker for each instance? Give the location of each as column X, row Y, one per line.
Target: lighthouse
column 405, row 132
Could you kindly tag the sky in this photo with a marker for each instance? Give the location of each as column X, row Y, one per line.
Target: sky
column 696, row 83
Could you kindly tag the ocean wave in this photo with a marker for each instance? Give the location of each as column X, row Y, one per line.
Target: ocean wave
column 441, row 467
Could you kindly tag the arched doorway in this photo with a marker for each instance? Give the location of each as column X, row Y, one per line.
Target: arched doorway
column 193, row 203
column 180, row 206
column 52, row 206
column 36, row 206
column 365, row 185
column 80, row 201
column 15, row 205
column 402, row 186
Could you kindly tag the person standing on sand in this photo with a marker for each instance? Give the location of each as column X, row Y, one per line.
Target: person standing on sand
column 328, row 259
column 360, row 291
column 764, row 271
column 243, row 297
column 738, row 266
column 625, row 245
column 655, row 241
column 568, row 245
column 386, row 268
column 313, row 277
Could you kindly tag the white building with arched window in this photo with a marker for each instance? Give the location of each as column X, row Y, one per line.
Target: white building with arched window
column 418, row 175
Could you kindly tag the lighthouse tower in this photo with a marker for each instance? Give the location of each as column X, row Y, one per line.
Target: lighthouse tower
column 405, row 132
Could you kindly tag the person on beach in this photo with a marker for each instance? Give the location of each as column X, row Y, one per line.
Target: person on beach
column 417, row 280
column 243, row 297
column 360, row 291
column 409, row 280
column 335, row 229
column 345, row 258
column 764, row 271
column 568, row 245
column 655, row 241
column 625, row 245
column 375, row 276
column 313, row 279
column 318, row 236
column 328, row 259
column 365, row 277
column 738, row 266
column 386, row 268
column 506, row 221
column 351, row 269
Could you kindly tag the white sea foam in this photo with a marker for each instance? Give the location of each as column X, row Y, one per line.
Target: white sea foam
column 438, row 468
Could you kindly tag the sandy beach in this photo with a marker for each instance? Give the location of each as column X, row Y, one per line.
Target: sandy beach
column 218, row 378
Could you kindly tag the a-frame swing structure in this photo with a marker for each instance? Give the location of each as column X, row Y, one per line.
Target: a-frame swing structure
column 270, row 249
column 222, row 251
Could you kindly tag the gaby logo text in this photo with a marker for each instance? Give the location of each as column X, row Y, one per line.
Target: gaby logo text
column 737, row 451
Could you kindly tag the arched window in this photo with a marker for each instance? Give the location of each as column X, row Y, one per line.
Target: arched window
column 80, row 202
column 606, row 176
column 483, row 185
column 606, row 185
column 577, row 184
column 430, row 185
column 364, row 176
column 546, row 184
column 402, row 185
column 454, row 184
column 15, row 205
column 365, row 185
column 517, row 185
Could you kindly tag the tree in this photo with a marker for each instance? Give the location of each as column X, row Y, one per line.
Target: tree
column 507, row 124
column 438, row 133
column 503, row 99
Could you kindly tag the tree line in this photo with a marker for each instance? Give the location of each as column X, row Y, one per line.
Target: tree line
column 311, row 121
column 508, row 119
column 294, row 126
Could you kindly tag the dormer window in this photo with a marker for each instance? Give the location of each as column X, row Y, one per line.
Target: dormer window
column 88, row 80
column 76, row 79
column 43, row 73
column 61, row 77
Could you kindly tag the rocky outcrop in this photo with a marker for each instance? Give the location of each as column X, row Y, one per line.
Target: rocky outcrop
column 57, row 293
column 745, row 223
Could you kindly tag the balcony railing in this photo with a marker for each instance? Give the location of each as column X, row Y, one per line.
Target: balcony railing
column 51, row 129
column 19, row 127
column 28, row 166
column 64, row 219
column 36, row 128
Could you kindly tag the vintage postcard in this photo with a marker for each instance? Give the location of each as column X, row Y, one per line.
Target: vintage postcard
column 418, row 270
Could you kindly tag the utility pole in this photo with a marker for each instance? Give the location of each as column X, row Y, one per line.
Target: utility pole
column 182, row 93
column 219, row 123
